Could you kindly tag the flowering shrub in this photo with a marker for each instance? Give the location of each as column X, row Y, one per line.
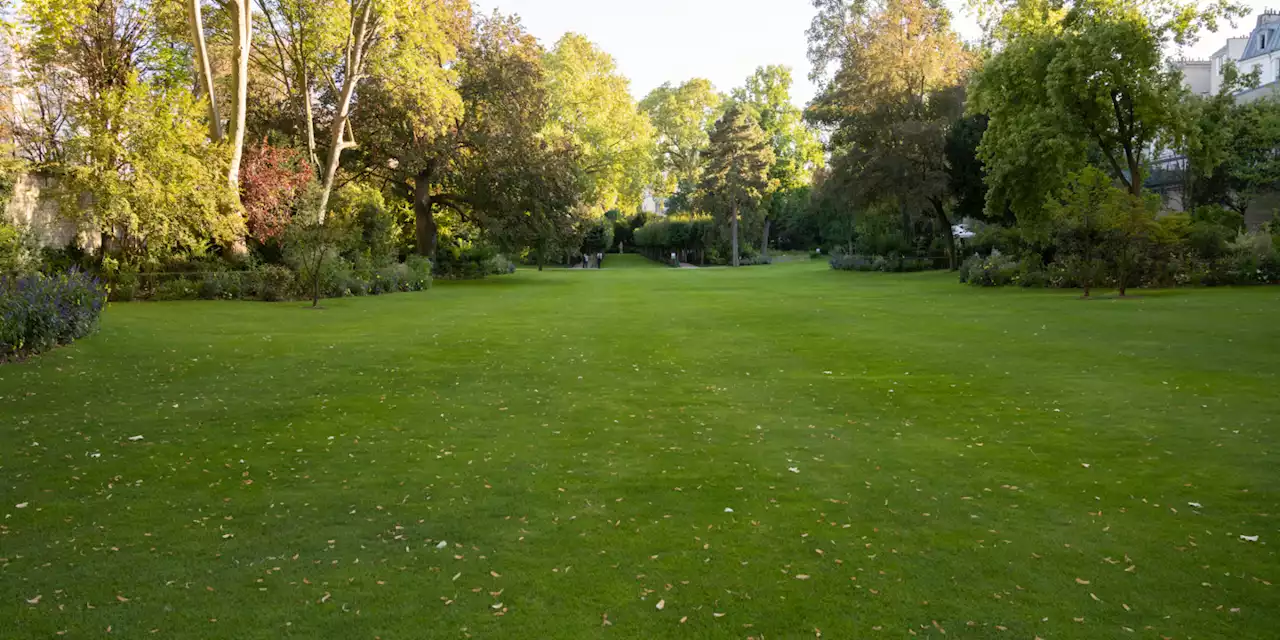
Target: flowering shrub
column 39, row 312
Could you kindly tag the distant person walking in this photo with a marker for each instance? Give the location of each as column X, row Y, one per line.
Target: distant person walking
column 586, row 262
column 599, row 259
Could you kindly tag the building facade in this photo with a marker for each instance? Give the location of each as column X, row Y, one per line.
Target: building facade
column 1259, row 51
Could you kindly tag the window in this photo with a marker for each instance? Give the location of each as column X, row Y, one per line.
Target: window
column 1262, row 41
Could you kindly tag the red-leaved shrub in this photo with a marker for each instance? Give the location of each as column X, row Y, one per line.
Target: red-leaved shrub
column 271, row 179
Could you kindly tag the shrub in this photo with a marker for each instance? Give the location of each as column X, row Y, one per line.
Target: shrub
column 18, row 253
column 892, row 263
column 995, row 270
column 178, row 288
column 39, row 312
column 271, row 181
column 221, row 285
column 499, row 265
column 273, row 282
column 419, row 273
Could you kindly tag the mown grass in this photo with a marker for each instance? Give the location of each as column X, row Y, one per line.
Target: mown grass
column 900, row 454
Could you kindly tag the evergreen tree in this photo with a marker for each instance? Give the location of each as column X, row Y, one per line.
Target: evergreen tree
column 736, row 176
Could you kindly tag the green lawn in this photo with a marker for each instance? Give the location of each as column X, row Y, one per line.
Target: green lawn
column 556, row 454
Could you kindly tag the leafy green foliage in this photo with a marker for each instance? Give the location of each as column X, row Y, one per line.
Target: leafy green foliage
column 155, row 182
column 736, row 176
column 1071, row 81
column 591, row 105
column 891, row 104
column 682, row 116
column 599, row 237
column 18, row 252
column 766, row 98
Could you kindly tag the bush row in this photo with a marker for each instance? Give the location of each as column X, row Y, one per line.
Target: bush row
column 39, row 312
column 893, row 263
column 275, row 282
column 1249, row 262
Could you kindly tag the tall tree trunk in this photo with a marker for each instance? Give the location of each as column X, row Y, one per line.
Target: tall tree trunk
column 358, row 40
column 952, row 259
column 906, row 222
column 1089, row 267
column 204, row 70
column 1135, row 175
column 241, row 42
column 764, row 245
column 311, row 119
column 424, row 221
column 735, row 234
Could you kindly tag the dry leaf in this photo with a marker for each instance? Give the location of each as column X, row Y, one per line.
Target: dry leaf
column 662, row 604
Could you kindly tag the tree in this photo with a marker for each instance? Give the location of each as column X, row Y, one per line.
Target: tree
column 1080, row 79
column 736, row 176
column 122, row 130
column 300, row 41
column 965, row 172
column 155, row 182
column 1078, row 214
column 590, row 104
column 1131, row 233
column 410, row 45
column 495, row 162
column 240, row 14
column 830, row 34
column 682, row 116
column 797, row 151
column 1231, row 149
column 892, row 103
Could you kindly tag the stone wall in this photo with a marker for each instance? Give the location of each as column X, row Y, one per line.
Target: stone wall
column 34, row 206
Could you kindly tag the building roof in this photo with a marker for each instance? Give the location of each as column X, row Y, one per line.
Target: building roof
column 1265, row 37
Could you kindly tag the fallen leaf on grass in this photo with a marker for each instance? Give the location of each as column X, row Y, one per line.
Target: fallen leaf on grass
column 717, row 615
column 1081, row 581
column 662, row 604
column 802, row 576
column 35, row 600
column 1242, row 536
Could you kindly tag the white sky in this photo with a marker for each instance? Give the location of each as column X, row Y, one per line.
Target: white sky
column 656, row 41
